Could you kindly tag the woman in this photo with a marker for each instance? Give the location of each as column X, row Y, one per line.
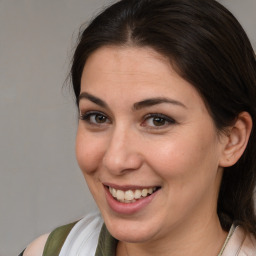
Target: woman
column 166, row 137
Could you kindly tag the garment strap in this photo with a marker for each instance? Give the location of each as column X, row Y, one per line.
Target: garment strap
column 56, row 239
column 107, row 243
column 21, row 254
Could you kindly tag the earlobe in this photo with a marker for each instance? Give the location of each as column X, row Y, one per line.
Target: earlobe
column 237, row 140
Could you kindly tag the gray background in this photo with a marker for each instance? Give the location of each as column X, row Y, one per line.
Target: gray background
column 41, row 186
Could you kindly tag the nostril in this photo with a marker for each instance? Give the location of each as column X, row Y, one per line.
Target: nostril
column 122, row 161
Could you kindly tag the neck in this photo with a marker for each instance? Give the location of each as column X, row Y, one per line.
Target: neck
column 205, row 238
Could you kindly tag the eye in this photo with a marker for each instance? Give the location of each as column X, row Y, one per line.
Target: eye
column 157, row 121
column 96, row 118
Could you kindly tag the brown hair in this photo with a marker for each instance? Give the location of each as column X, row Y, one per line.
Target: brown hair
column 208, row 47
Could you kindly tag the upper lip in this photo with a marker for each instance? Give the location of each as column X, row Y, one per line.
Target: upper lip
column 128, row 187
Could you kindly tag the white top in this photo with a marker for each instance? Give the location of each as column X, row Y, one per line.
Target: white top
column 83, row 238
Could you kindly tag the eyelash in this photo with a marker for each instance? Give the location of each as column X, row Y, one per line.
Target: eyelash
column 86, row 117
column 167, row 120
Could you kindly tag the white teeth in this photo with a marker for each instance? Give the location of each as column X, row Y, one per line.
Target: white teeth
column 120, row 195
column 144, row 192
column 137, row 194
column 130, row 196
column 113, row 192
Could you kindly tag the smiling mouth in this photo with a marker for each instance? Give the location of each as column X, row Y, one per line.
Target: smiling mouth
column 131, row 196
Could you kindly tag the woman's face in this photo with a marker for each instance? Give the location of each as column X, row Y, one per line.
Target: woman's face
column 146, row 145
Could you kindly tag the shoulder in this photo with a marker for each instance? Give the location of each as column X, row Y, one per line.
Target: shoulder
column 36, row 248
column 240, row 243
column 49, row 242
column 66, row 236
column 249, row 245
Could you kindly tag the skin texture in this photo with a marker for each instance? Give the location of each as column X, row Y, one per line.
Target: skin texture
column 36, row 248
column 122, row 145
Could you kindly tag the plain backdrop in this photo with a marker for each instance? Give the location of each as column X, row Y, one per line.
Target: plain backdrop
column 41, row 186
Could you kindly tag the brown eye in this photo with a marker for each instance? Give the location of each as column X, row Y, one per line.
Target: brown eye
column 158, row 121
column 95, row 118
column 100, row 119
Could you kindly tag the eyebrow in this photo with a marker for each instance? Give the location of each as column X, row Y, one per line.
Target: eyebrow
column 94, row 99
column 154, row 101
column 136, row 106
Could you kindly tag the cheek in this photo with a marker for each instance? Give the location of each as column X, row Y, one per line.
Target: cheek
column 185, row 156
column 188, row 168
column 89, row 152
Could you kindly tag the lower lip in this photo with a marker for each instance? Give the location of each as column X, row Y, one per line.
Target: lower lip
column 128, row 208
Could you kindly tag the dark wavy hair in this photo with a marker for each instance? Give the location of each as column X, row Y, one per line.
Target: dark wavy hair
column 208, row 48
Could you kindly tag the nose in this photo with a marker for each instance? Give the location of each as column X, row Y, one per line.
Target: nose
column 122, row 154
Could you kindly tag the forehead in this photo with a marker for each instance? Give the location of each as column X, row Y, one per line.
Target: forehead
column 126, row 61
column 135, row 73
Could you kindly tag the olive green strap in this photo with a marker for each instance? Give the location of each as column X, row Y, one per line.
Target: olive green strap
column 107, row 244
column 56, row 240
column 21, row 254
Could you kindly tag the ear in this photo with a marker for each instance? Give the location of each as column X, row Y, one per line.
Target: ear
column 236, row 140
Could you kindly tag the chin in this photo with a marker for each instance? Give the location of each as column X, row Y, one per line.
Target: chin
column 131, row 236
column 131, row 231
